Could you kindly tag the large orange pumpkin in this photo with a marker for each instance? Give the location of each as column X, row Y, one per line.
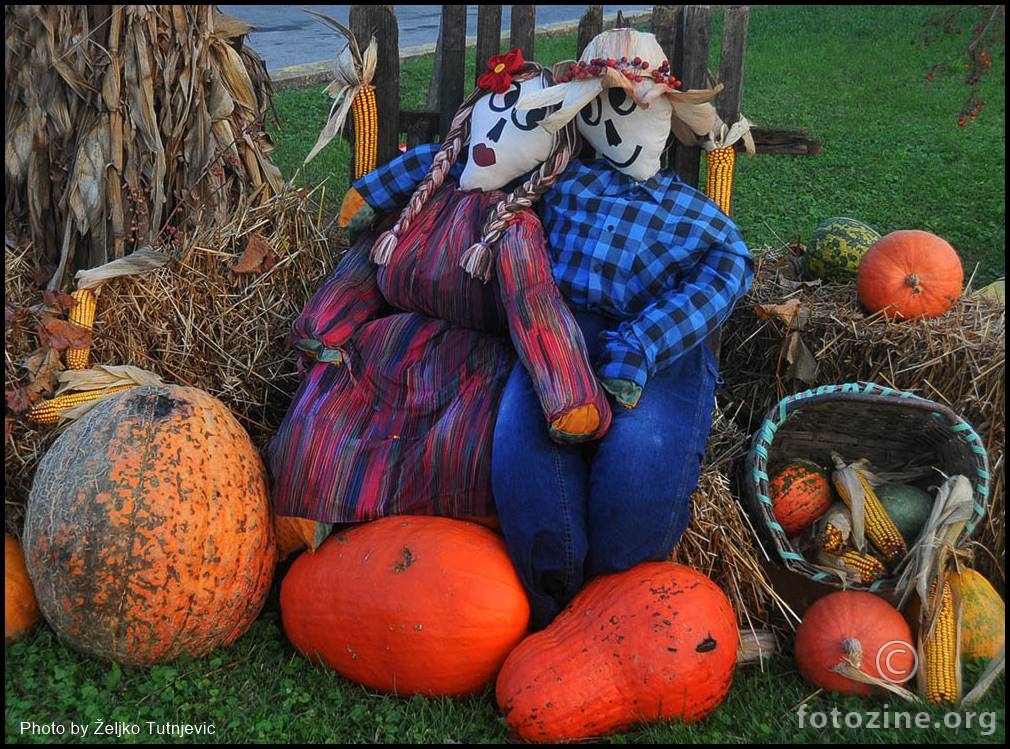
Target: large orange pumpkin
column 910, row 273
column 658, row 641
column 849, row 621
column 21, row 611
column 800, row 492
column 148, row 531
column 408, row 605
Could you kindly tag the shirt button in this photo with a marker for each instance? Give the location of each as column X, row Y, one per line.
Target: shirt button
column 610, row 227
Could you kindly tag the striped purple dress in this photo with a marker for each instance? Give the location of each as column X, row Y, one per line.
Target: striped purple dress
column 404, row 425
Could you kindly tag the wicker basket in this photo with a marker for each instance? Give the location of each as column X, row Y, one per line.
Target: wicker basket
column 890, row 427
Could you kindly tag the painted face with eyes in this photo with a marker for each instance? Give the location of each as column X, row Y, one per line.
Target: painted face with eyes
column 631, row 138
column 505, row 142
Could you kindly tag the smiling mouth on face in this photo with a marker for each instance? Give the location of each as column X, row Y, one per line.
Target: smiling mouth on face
column 622, row 164
column 484, row 156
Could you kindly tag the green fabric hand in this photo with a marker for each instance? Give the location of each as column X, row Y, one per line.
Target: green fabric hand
column 320, row 353
column 626, row 392
column 360, row 222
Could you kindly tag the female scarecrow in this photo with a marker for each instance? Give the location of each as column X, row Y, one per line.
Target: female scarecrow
column 406, row 352
column 651, row 267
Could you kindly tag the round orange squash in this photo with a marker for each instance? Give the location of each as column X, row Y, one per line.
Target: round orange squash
column 910, row 273
column 408, row 605
column 836, row 623
column 658, row 641
column 148, row 531
column 800, row 492
column 21, row 611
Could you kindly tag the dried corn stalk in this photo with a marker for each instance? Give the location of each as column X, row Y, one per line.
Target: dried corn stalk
column 127, row 124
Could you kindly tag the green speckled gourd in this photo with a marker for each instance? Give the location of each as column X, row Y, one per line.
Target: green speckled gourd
column 909, row 508
column 836, row 247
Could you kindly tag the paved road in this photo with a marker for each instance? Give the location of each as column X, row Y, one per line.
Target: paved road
column 284, row 35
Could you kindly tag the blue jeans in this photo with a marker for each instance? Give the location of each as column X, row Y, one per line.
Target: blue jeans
column 571, row 512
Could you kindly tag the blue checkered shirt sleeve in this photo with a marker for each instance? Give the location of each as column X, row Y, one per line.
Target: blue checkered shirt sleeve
column 389, row 187
column 658, row 257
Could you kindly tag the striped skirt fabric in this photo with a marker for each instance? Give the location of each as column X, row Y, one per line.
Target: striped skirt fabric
column 404, row 425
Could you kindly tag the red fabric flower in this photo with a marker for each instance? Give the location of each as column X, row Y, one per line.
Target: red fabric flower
column 500, row 68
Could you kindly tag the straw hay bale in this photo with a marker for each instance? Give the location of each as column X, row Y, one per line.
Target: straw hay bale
column 958, row 359
column 195, row 321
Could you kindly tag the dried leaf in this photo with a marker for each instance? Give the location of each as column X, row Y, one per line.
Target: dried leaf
column 105, row 376
column 43, row 367
column 19, row 400
column 256, row 258
column 58, row 300
column 60, row 335
column 788, row 312
column 87, row 181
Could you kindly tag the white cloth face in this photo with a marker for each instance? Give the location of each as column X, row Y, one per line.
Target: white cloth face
column 630, row 137
column 505, row 142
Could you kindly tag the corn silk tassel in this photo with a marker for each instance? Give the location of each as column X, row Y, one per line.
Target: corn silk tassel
column 352, row 92
column 720, row 160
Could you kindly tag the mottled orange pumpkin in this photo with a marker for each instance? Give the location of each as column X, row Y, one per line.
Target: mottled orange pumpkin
column 847, row 619
column 658, row 641
column 148, row 531
column 910, row 273
column 408, row 605
column 21, row 611
column 800, row 492
column 983, row 615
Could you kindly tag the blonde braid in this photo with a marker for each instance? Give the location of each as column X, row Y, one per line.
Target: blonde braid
column 477, row 259
column 452, row 146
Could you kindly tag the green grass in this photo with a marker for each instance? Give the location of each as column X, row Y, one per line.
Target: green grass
column 259, row 690
column 893, row 157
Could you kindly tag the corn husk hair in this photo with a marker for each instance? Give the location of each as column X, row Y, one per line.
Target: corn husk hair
column 693, row 118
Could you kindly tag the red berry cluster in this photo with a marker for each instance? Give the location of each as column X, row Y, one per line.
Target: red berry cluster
column 634, row 70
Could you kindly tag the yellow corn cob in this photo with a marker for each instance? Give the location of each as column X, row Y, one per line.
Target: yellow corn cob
column 366, row 130
column 48, row 412
column 940, row 652
column 863, row 567
column 81, row 314
column 719, row 176
column 880, row 529
column 830, row 538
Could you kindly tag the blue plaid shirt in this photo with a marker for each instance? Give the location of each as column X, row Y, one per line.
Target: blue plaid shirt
column 388, row 187
column 658, row 257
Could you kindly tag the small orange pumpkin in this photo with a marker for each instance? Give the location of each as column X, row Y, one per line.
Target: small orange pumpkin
column 148, row 531
column 983, row 615
column 408, row 605
column 657, row 641
column 909, row 274
column 800, row 492
column 21, row 611
column 860, row 627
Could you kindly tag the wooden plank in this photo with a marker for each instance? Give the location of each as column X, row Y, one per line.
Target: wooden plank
column 380, row 21
column 524, row 29
column 488, row 36
column 666, row 22
column 590, row 25
column 731, row 62
column 783, row 141
column 450, row 88
column 694, row 68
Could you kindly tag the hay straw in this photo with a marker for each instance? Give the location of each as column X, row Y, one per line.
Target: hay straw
column 720, row 540
column 193, row 322
column 129, row 122
column 958, row 359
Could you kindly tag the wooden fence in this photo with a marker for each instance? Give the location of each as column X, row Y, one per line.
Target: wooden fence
column 684, row 31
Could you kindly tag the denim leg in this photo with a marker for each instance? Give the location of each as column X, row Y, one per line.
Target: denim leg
column 648, row 465
column 540, row 490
